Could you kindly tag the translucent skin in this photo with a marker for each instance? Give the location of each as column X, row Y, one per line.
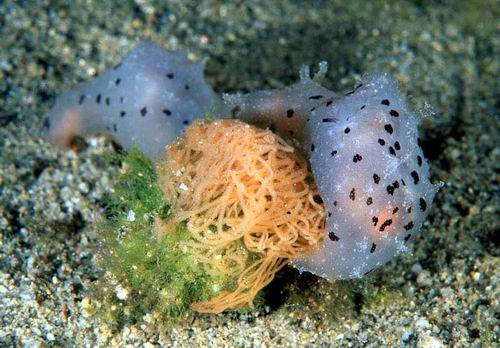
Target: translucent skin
column 369, row 167
column 283, row 110
column 147, row 99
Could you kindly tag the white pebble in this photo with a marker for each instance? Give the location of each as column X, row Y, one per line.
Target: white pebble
column 422, row 324
column 121, row 292
column 131, row 216
column 429, row 342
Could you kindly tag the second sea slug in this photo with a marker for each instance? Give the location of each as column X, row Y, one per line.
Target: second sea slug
column 370, row 170
column 147, row 99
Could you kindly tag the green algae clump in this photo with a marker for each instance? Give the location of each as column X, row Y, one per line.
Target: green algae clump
column 147, row 275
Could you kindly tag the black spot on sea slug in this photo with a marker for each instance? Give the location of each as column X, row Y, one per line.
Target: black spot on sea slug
column 376, row 178
column 369, row 201
column 330, row 102
column 397, row 146
column 121, row 100
column 403, row 182
column 333, row 153
column 329, row 120
column 388, row 128
column 115, row 127
column 313, row 97
column 117, row 81
column 186, row 87
column 170, row 76
column 392, row 187
column 419, row 161
column 167, row 112
column 144, row 111
column 352, row 194
column 98, row 99
column 385, row 224
column 381, row 141
column 82, row 98
column 347, row 130
column 329, row 214
column 372, row 249
column 375, row 220
column 318, row 199
column 313, row 147
column 357, row 158
column 409, row 226
column 235, row 111
column 385, row 102
column 407, row 237
column 108, row 101
column 289, row 113
column 335, row 203
column 395, row 210
column 392, row 151
column 408, row 210
column 349, row 93
column 122, row 113
column 333, row 237
column 362, row 107
column 415, row 177
column 423, row 204
column 185, row 122
column 394, row 113
column 358, row 86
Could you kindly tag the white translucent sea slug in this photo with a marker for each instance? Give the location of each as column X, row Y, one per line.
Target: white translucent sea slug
column 366, row 159
column 148, row 99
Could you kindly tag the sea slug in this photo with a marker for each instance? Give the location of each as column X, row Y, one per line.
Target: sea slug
column 367, row 161
column 147, row 99
column 366, row 158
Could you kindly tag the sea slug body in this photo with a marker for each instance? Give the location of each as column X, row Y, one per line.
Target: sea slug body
column 148, row 99
column 365, row 155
